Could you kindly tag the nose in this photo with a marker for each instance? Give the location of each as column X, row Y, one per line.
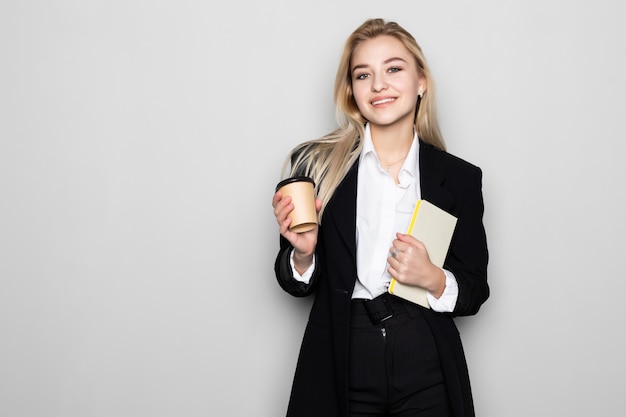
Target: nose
column 378, row 83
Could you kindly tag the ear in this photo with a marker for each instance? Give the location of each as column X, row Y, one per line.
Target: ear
column 421, row 86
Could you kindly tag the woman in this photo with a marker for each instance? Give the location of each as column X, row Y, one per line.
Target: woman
column 365, row 351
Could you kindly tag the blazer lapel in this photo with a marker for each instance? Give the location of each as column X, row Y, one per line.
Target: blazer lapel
column 432, row 178
column 341, row 209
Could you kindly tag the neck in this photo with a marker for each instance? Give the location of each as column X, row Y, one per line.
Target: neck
column 391, row 143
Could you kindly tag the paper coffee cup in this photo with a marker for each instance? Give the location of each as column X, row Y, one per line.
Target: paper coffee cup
column 302, row 193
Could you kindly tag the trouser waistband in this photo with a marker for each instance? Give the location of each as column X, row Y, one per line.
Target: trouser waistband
column 383, row 307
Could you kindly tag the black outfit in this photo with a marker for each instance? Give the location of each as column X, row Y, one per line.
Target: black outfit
column 393, row 360
column 322, row 376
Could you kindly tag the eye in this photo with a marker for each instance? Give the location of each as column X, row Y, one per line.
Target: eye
column 395, row 69
column 361, row 76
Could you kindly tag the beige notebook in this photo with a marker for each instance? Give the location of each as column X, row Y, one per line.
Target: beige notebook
column 433, row 227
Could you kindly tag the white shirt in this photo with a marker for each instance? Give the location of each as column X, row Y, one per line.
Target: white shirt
column 384, row 208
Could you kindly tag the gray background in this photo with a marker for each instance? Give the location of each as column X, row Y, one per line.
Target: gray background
column 140, row 142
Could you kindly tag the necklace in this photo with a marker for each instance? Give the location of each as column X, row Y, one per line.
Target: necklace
column 388, row 169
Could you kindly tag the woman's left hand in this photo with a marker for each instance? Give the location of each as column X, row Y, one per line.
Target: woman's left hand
column 409, row 264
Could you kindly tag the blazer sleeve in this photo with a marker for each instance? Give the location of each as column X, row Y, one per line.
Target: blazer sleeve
column 284, row 273
column 468, row 255
column 282, row 265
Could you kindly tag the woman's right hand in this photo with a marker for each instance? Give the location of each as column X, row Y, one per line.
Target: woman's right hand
column 303, row 243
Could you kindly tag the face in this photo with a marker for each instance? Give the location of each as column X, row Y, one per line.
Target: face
column 385, row 81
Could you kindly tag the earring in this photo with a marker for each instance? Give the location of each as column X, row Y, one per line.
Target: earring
column 420, row 94
column 417, row 104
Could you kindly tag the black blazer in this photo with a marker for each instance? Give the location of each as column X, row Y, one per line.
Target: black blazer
column 320, row 382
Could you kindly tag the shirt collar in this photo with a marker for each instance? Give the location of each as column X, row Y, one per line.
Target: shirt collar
column 368, row 145
column 410, row 164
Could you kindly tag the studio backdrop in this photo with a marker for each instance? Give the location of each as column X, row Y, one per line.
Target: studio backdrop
column 140, row 143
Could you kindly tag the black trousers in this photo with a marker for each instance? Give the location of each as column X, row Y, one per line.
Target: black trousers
column 394, row 364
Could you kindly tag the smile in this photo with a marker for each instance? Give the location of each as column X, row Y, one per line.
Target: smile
column 383, row 101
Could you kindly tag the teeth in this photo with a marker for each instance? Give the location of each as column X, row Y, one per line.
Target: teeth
column 386, row 100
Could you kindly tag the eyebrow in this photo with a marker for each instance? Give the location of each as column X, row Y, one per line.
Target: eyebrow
column 386, row 61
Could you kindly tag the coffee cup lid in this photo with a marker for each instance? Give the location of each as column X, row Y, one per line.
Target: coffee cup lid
column 294, row 179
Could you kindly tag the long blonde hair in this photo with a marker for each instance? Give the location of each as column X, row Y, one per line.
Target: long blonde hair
column 328, row 159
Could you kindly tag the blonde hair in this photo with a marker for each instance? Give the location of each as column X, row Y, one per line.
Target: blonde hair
column 328, row 159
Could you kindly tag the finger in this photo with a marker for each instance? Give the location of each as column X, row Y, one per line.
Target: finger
column 400, row 245
column 395, row 272
column 282, row 217
column 406, row 238
column 277, row 197
column 283, row 207
column 284, row 228
column 279, row 201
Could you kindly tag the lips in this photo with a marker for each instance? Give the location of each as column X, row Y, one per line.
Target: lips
column 383, row 101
